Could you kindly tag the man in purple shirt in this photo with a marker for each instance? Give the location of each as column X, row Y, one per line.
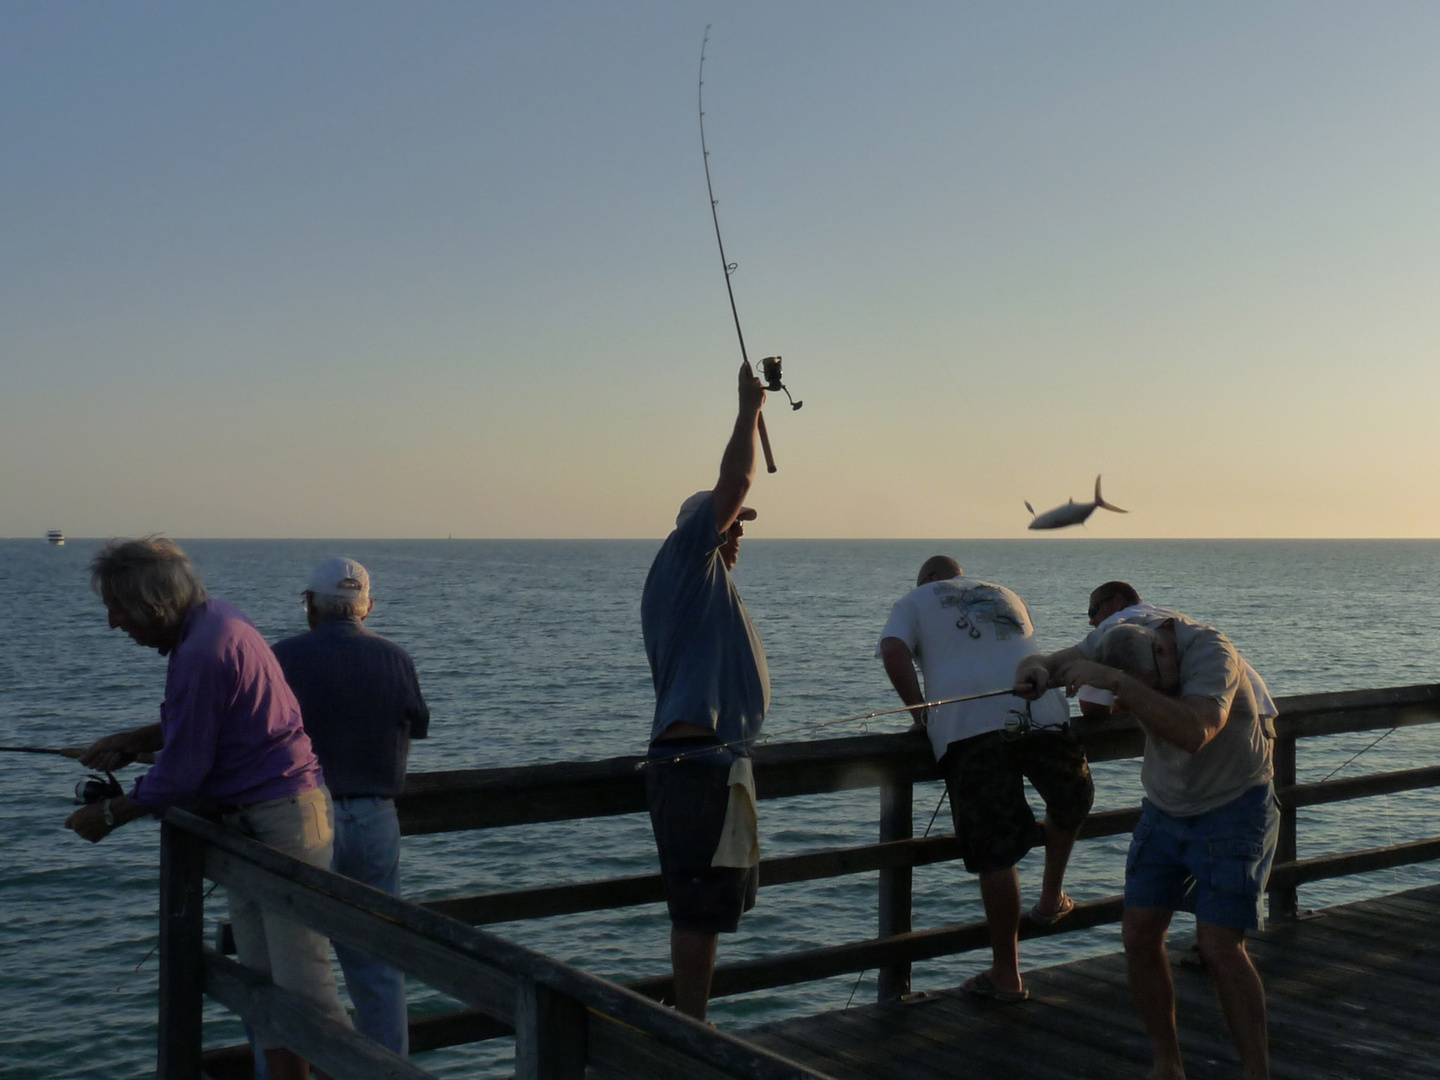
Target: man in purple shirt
column 229, row 737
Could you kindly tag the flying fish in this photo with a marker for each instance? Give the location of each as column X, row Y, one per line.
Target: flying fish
column 1072, row 513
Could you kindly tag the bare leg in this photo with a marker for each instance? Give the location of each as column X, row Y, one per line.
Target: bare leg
column 1058, row 844
column 1000, row 893
column 692, row 956
column 1144, row 932
column 1241, row 994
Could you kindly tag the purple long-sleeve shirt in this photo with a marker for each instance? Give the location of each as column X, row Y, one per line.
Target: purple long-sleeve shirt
column 231, row 726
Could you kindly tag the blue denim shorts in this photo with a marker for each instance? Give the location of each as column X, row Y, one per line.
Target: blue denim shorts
column 1213, row 864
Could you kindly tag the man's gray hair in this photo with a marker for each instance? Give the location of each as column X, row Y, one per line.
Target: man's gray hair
column 340, row 607
column 1131, row 648
column 150, row 579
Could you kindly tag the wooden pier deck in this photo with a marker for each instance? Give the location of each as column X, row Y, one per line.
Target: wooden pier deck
column 1353, row 993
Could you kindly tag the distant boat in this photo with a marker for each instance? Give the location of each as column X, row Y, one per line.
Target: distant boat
column 56, row 537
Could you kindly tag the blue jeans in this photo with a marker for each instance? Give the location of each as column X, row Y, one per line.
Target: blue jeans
column 1213, row 864
column 367, row 848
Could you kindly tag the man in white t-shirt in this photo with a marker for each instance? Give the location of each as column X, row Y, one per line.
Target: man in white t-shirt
column 1209, row 822
column 967, row 636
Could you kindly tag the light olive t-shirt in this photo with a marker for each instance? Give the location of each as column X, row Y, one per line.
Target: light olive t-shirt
column 1238, row 758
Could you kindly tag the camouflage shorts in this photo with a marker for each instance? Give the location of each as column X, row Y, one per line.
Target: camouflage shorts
column 985, row 776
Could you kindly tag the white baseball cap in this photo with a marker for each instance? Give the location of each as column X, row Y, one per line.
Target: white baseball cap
column 339, row 576
column 694, row 502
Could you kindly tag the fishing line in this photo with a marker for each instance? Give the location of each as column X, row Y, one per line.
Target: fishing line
column 805, row 728
column 1355, row 755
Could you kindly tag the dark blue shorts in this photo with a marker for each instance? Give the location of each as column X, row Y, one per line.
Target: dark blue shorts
column 687, row 800
column 1213, row 864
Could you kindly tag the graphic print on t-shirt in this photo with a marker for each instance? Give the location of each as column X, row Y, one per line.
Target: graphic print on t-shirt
column 979, row 604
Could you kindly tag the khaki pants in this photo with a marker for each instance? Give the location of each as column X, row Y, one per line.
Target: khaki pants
column 294, row 957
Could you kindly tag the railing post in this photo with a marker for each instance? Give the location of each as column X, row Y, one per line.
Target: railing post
column 550, row 1034
column 897, row 822
column 182, row 934
column 1284, row 903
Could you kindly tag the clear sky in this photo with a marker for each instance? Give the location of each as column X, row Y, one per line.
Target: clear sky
column 405, row 269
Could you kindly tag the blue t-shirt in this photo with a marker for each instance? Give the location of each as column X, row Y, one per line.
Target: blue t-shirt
column 361, row 705
column 705, row 657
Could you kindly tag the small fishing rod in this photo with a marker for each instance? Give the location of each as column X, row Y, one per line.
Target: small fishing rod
column 73, row 752
column 770, row 368
column 93, row 788
column 701, row 751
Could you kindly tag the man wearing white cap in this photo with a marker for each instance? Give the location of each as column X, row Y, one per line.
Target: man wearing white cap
column 712, row 689
column 361, row 705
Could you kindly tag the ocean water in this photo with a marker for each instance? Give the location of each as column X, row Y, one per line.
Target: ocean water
column 530, row 652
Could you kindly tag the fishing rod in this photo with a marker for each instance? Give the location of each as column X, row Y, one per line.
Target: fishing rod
column 73, row 752
column 770, row 368
column 93, row 788
column 766, row 737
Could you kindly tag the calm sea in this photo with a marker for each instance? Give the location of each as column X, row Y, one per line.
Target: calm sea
column 530, row 652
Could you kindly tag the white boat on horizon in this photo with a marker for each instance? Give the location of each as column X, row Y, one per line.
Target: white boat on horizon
column 56, row 537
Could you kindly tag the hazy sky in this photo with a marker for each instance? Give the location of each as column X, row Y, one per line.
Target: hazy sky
column 419, row 269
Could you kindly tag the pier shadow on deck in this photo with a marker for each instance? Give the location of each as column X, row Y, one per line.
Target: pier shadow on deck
column 1353, row 993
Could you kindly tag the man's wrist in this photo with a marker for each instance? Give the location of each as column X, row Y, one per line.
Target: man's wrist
column 106, row 814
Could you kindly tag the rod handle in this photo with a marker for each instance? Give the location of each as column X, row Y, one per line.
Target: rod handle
column 765, row 443
column 143, row 758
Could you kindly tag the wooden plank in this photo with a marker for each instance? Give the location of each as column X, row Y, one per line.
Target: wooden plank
column 1358, row 787
column 550, row 1034
column 438, row 962
column 1283, row 903
column 182, row 936
column 897, row 823
column 309, row 1031
column 769, row 972
column 321, row 898
column 1286, row 875
column 619, row 1050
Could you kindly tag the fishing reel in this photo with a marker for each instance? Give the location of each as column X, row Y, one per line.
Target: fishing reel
column 770, row 372
column 94, row 789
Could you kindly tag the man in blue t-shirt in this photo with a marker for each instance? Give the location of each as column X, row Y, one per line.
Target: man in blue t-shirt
column 361, row 705
column 712, row 689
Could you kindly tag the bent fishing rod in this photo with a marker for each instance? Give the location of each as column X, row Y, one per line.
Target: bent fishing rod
column 770, row 366
column 765, row 737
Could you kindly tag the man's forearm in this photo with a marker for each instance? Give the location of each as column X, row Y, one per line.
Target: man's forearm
column 900, row 667
column 148, row 739
column 737, row 464
column 1174, row 720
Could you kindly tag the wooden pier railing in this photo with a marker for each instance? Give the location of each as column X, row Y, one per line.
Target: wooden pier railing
column 563, row 1018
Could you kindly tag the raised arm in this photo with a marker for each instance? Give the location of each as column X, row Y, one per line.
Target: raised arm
column 737, row 465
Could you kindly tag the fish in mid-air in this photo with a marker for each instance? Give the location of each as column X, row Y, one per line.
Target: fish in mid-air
column 1072, row 513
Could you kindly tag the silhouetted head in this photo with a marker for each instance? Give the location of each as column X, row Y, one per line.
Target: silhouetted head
column 938, row 568
column 1147, row 654
column 1110, row 598
column 148, row 586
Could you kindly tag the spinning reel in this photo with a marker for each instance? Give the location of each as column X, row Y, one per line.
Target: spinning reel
column 770, row 372
column 93, row 789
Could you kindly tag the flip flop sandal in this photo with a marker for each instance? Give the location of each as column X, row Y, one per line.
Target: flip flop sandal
column 1050, row 918
column 980, row 986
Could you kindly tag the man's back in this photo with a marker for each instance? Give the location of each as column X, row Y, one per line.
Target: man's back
column 967, row 637
column 361, row 703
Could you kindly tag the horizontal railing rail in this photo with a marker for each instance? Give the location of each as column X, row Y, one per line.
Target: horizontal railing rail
column 495, row 798
column 565, row 1020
